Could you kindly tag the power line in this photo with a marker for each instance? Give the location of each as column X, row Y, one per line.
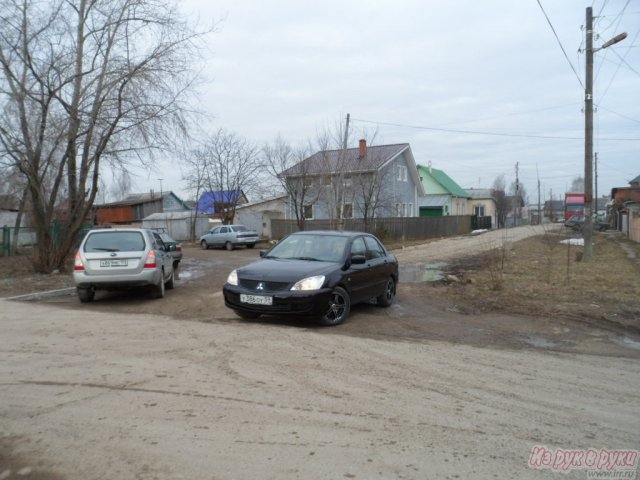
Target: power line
column 618, row 114
column 495, row 134
column 560, row 43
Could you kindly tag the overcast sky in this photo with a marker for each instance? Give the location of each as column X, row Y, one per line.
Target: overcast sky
column 426, row 73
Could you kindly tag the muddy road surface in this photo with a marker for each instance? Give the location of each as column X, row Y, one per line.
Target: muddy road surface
column 90, row 394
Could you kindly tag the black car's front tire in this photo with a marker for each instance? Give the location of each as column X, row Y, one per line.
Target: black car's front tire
column 338, row 308
column 386, row 299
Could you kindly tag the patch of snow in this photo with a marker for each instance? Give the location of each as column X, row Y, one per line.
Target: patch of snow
column 478, row 232
column 573, row 241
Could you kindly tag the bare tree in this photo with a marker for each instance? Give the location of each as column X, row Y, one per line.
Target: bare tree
column 499, row 194
column 371, row 193
column 231, row 165
column 577, row 185
column 84, row 82
column 121, row 185
column 295, row 176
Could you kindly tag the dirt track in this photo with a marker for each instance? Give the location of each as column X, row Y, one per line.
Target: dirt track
column 130, row 387
column 89, row 395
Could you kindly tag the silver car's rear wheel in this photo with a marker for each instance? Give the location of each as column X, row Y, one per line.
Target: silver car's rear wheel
column 203, row 245
column 228, row 246
column 170, row 283
column 86, row 295
column 158, row 290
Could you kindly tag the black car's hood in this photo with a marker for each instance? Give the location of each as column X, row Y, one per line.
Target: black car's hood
column 285, row 270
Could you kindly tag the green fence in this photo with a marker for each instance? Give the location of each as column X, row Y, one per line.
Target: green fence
column 26, row 238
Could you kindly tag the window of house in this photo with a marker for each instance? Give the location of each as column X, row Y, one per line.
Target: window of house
column 347, row 210
column 478, row 210
column 398, row 209
column 402, row 173
column 347, row 181
column 308, row 212
column 410, row 210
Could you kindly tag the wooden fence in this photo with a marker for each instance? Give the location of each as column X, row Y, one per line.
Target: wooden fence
column 412, row 228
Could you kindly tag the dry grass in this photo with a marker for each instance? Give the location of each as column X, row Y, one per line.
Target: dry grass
column 542, row 276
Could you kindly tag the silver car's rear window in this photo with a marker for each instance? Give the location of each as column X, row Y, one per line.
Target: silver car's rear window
column 115, row 242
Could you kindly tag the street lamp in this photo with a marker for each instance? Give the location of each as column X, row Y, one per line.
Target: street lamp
column 588, row 134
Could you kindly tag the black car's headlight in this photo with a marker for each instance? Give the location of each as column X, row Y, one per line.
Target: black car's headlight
column 309, row 283
column 232, row 279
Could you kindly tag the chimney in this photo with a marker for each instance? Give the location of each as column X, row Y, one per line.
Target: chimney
column 363, row 148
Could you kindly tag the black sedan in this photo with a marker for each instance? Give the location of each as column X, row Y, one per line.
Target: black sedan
column 317, row 274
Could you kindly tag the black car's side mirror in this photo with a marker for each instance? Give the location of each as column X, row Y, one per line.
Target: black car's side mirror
column 358, row 260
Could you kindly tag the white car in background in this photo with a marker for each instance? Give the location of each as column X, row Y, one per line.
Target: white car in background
column 229, row 236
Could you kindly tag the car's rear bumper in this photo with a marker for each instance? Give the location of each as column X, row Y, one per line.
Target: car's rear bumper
column 312, row 303
column 141, row 279
column 246, row 241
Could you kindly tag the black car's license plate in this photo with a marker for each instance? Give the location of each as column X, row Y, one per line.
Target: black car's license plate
column 113, row 263
column 256, row 299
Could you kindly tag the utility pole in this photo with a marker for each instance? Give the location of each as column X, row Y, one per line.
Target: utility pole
column 539, row 206
column 516, row 203
column 587, row 231
column 588, row 134
column 595, row 183
column 346, row 132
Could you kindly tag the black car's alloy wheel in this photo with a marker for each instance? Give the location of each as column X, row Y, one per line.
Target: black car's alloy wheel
column 339, row 306
column 389, row 294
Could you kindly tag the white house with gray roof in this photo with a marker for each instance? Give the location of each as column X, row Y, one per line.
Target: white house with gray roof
column 368, row 181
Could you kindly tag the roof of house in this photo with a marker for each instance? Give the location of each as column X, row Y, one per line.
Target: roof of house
column 349, row 160
column 479, row 193
column 138, row 198
column 163, row 216
column 635, row 180
column 207, row 201
column 554, row 205
column 283, row 196
column 444, row 180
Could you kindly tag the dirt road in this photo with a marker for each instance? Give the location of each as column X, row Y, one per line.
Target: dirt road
column 87, row 395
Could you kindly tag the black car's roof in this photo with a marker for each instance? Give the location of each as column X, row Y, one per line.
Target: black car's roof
column 331, row 233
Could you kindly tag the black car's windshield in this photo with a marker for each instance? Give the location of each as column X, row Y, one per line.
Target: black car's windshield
column 321, row 248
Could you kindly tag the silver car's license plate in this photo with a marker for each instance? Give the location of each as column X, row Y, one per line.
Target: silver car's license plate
column 256, row 299
column 113, row 263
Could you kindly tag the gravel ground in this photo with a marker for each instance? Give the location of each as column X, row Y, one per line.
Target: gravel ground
column 91, row 394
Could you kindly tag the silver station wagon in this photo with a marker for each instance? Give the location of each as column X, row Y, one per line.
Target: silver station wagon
column 120, row 258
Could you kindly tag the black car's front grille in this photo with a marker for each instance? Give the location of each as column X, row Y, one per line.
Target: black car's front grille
column 259, row 286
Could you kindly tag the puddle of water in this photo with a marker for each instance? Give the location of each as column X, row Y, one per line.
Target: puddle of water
column 422, row 272
column 539, row 342
column 626, row 342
